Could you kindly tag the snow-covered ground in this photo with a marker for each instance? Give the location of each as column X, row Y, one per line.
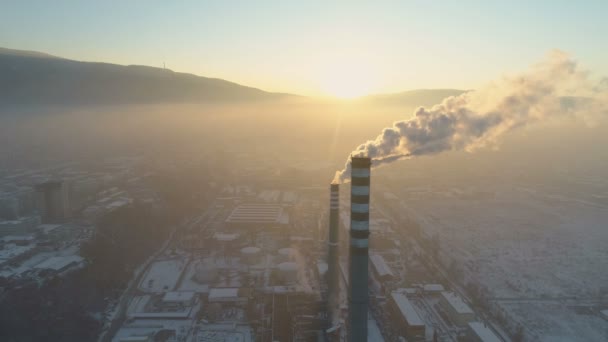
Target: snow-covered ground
column 522, row 247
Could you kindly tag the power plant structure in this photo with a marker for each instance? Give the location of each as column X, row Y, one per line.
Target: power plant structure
column 332, row 255
column 359, row 243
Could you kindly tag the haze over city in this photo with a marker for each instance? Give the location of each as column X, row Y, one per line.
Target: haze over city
column 285, row 171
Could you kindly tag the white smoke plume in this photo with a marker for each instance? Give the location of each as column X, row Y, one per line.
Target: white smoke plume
column 553, row 88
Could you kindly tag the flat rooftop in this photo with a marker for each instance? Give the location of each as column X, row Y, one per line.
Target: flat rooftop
column 407, row 309
column 456, row 303
column 219, row 332
column 380, row 265
column 225, row 292
column 256, row 213
column 175, row 296
column 59, row 262
column 483, row 332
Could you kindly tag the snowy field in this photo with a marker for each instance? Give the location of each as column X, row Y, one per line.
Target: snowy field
column 162, row 275
column 522, row 246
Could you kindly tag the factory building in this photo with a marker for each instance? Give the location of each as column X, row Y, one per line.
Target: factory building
column 412, row 326
column 254, row 216
column 479, row 332
column 460, row 313
column 381, row 270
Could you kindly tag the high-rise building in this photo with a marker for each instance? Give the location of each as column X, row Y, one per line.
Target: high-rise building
column 52, row 201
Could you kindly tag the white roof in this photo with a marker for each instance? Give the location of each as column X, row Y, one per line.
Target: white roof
column 223, row 292
column 256, row 213
column 59, row 262
column 380, row 265
column 373, row 332
column 456, row 303
column 483, row 332
column 288, row 266
column 175, row 296
column 407, row 309
column 322, row 267
column 433, row 287
column 250, row 250
column 225, row 236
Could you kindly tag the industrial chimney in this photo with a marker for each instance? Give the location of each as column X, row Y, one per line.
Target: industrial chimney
column 359, row 235
column 332, row 255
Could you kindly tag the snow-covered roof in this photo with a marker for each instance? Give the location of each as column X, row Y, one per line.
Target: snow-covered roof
column 59, row 262
column 176, row 296
column 380, row 265
column 225, row 292
column 433, row 288
column 373, row 331
column 256, row 213
column 483, row 332
column 407, row 309
column 456, row 303
column 225, row 236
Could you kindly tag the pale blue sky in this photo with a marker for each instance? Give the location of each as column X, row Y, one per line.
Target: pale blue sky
column 312, row 47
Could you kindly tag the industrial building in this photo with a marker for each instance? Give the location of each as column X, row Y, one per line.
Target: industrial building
column 381, row 270
column 460, row 313
column 412, row 326
column 256, row 215
column 479, row 332
column 59, row 264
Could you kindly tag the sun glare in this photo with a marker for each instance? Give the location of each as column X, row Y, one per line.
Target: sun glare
column 348, row 80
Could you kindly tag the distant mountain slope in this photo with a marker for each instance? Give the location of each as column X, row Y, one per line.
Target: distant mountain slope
column 32, row 78
column 419, row 97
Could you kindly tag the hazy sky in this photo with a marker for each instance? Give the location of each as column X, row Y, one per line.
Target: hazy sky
column 312, row 47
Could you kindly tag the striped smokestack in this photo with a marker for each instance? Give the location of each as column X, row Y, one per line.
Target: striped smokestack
column 332, row 255
column 359, row 235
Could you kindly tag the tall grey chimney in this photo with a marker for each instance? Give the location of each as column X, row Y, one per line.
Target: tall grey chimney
column 332, row 255
column 359, row 242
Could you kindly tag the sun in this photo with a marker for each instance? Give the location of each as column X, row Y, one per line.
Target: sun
column 347, row 80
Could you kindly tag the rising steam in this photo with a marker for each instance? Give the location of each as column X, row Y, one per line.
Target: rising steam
column 553, row 88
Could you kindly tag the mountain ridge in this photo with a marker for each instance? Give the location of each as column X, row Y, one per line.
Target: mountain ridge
column 37, row 78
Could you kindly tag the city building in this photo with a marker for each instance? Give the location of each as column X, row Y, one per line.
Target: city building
column 52, row 201
column 460, row 313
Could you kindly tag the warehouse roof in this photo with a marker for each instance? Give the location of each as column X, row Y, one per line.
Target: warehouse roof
column 256, row 213
column 483, row 332
column 175, row 296
column 456, row 303
column 58, row 263
column 407, row 309
column 380, row 265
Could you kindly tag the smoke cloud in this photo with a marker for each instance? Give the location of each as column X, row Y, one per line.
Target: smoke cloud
column 553, row 88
